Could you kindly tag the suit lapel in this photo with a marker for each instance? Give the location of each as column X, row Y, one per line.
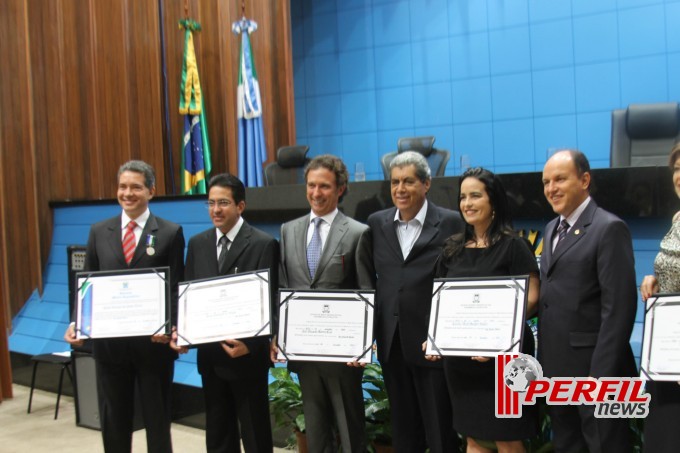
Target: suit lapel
column 115, row 239
column 547, row 243
column 210, row 250
column 335, row 235
column 300, row 236
column 150, row 229
column 575, row 234
column 241, row 242
column 390, row 233
column 429, row 230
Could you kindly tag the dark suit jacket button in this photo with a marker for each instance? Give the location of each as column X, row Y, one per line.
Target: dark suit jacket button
column 395, row 313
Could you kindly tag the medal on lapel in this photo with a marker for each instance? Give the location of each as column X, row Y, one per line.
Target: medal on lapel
column 150, row 244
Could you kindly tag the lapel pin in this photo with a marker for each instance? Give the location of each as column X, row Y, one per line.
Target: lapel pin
column 577, row 232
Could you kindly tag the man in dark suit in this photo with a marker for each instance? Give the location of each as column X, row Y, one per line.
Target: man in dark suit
column 330, row 391
column 133, row 240
column 407, row 241
column 587, row 303
column 234, row 372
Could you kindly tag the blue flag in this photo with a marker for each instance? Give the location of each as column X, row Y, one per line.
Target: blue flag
column 252, row 152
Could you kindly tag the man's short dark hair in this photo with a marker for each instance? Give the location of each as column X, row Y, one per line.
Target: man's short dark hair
column 227, row 180
column 139, row 166
column 333, row 164
column 580, row 161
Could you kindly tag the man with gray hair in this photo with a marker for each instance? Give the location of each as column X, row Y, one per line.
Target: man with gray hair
column 406, row 241
column 134, row 239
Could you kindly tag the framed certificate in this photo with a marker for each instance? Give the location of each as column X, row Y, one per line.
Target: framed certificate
column 228, row 307
column 327, row 326
column 477, row 317
column 660, row 359
column 127, row 303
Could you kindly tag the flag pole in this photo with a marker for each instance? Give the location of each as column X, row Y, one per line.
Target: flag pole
column 166, row 106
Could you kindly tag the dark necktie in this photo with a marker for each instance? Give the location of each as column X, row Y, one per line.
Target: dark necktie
column 314, row 248
column 129, row 241
column 562, row 232
column 224, row 243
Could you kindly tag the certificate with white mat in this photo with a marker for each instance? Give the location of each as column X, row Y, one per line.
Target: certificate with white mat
column 477, row 316
column 127, row 303
column 660, row 359
column 329, row 326
column 227, row 307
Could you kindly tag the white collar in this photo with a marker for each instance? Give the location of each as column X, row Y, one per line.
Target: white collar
column 328, row 218
column 140, row 221
column 231, row 234
column 420, row 217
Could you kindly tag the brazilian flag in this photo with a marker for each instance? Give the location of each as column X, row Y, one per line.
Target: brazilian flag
column 196, row 165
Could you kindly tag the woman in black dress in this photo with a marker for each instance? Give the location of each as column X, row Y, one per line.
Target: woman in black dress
column 489, row 247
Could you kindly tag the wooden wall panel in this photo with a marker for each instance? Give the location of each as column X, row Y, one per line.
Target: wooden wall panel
column 5, row 365
column 20, row 239
column 49, row 110
column 145, row 94
column 86, row 94
column 82, row 137
column 112, row 87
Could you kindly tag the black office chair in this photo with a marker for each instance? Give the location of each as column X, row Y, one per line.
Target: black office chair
column 643, row 134
column 289, row 167
column 436, row 158
column 56, row 359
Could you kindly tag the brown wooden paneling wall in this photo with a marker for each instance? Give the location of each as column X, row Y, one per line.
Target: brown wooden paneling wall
column 81, row 92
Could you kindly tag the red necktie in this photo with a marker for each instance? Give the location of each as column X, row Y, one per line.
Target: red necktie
column 129, row 241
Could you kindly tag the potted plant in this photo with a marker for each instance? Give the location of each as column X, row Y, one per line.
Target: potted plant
column 377, row 410
column 285, row 403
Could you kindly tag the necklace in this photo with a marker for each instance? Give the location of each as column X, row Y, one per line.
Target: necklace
column 480, row 243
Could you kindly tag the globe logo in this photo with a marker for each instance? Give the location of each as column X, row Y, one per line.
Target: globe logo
column 521, row 371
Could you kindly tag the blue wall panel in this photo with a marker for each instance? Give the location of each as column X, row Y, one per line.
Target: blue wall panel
column 553, row 92
column 642, row 31
column 510, row 50
column 552, row 44
column 431, row 61
column 355, row 29
column 469, row 55
column 426, row 65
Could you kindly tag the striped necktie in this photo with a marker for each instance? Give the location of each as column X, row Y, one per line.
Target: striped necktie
column 129, row 241
column 562, row 232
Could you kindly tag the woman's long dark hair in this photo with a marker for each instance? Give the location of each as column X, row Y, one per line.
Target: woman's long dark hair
column 501, row 224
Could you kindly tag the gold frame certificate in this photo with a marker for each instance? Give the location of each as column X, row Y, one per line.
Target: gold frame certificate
column 326, row 326
column 127, row 303
column 227, row 307
column 477, row 316
column 660, row 359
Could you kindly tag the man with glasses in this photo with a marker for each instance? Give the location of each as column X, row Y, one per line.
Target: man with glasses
column 234, row 372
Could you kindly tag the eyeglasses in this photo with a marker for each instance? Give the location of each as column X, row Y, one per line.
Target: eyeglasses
column 219, row 203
